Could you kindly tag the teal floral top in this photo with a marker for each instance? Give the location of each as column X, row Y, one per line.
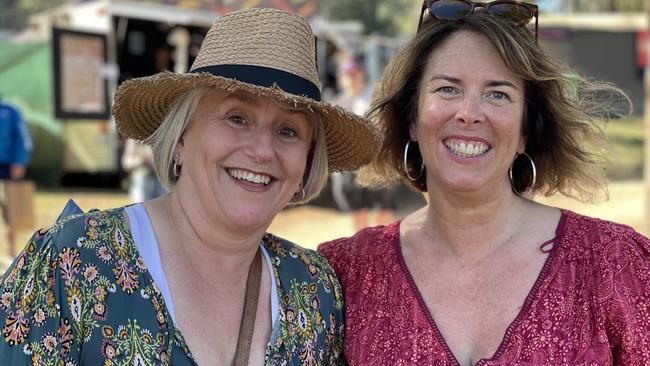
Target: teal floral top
column 80, row 294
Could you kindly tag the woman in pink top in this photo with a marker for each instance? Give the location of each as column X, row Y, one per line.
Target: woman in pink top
column 476, row 115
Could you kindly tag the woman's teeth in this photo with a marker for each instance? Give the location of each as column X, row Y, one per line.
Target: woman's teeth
column 249, row 176
column 467, row 150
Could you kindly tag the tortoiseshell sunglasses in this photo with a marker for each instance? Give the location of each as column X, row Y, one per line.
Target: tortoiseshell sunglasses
column 517, row 12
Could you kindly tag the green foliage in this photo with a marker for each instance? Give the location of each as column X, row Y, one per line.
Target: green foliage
column 378, row 16
column 625, row 153
column 15, row 13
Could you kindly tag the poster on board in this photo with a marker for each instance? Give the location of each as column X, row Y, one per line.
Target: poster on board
column 80, row 84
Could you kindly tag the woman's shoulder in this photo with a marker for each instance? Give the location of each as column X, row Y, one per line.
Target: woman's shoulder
column 74, row 229
column 353, row 257
column 606, row 249
column 303, row 275
column 291, row 259
column 612, row 261
column 286, row 249
column 71, row 223
column 371, row 241
column 74, row 262
column 310, row 301
column 69, row 237
column 597, row 236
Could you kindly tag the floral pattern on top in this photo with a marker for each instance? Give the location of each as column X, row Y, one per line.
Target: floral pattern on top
column 80, row 294
column 589, row 306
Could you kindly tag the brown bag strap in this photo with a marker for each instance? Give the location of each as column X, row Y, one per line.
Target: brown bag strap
column 250, row 311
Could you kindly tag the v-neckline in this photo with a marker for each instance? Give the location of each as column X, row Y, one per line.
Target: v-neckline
column 523, row 312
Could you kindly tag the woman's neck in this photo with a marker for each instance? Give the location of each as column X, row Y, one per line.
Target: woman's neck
column 474, row 228
column 200, row 242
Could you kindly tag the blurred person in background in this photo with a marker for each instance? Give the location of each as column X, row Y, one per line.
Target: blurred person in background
column 137, row 160
column 137, row 157
column 478, row 116
column 193, row 277
column 15, row 150
column 349, row 196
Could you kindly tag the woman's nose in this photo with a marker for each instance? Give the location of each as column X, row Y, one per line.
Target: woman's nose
column 471, row 110
column 259, row 148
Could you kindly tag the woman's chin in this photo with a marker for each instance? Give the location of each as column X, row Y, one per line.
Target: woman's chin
column 252, row 218
column 462, row 185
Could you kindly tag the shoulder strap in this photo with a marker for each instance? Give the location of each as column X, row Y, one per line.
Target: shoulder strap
column 250, row 311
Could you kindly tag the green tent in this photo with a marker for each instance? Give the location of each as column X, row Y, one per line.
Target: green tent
column 26, row 81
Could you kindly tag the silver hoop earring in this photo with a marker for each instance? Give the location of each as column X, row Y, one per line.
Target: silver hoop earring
column 533, row 169
column 406, row 167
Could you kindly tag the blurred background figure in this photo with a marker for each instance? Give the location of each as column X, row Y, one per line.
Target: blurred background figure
column 15, row 150
column 349, row 196
column 137, row 160
column 354, row 94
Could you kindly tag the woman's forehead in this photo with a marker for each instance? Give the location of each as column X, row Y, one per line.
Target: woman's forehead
column 254, row 99
column 469, row 53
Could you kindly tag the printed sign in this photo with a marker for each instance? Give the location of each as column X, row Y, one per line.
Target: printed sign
column 81, row 89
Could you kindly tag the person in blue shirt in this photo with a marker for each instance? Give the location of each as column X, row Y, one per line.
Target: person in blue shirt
column 15, row 142
column 15, row 150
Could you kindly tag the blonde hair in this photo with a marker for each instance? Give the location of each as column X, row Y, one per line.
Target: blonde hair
column 166, row 137
column 183, row 110
column 560, row 124
column 317, row 166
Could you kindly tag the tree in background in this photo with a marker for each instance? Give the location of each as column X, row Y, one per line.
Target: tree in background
column 378, row 16
column 14, row 13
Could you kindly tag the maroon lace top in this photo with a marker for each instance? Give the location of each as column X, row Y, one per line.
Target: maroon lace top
column 589, row 306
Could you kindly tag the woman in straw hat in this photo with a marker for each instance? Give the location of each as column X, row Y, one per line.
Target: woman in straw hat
column 235, row 140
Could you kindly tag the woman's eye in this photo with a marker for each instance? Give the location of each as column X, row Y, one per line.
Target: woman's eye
column 288, row 132
column 236, row 119
column 497, row 95
column 446, row 90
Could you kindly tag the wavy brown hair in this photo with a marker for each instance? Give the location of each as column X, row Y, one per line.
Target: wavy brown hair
column 561, row 115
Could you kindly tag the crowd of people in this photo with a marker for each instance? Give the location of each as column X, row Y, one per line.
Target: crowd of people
column 472, row 113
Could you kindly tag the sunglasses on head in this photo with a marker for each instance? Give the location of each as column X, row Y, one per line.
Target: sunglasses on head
column 516, row 12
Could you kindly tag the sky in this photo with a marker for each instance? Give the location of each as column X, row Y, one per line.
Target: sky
column 552, row 5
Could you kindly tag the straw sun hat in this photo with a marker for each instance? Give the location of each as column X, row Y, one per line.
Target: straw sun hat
column 265, row 52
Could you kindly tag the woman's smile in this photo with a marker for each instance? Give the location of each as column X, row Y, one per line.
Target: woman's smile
column 250, row 180
column 466, row 148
